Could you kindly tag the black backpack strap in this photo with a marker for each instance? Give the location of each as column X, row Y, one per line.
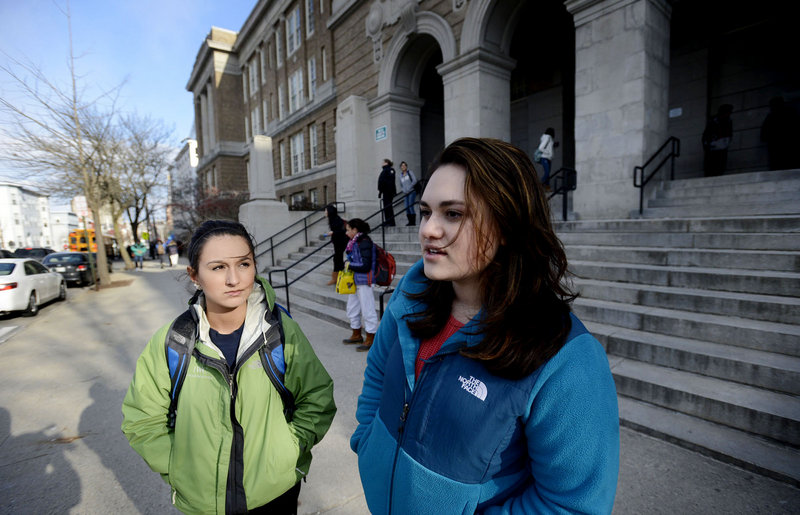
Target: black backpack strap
column 273, row 361
column 178, row 346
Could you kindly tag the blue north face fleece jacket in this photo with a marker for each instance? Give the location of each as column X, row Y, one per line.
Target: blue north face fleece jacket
column 461, row 440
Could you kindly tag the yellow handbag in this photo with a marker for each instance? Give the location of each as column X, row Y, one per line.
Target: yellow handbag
column 345, row 282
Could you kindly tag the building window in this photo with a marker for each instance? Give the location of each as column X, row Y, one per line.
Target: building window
column 293, row 31
column 256, row 117
column 272, row 105
column 298, row 199
column 312, row 77
column 282, row 152
column 313, row 196
column 263, row 59
column 246, row 128
column 309, row 17
column 278, row 48
column 324, row 65
column 265, row 105
column 296, row 90
column 281, row 106
column 296, row 148
column 312, row 143
column 252, row 75
column 271, row 56
column 323, row 144
column 321, row 6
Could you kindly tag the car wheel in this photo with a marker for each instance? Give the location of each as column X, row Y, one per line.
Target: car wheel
column 32, row 310
column 62, row 291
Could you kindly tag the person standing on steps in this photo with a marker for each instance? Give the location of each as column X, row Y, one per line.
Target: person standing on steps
column 339, row 238
column 361, row 257
column 483, row 393
column 546, row 146
column 408, row 183
column 387, row 191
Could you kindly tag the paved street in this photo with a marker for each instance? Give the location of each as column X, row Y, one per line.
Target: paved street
column 65, row 372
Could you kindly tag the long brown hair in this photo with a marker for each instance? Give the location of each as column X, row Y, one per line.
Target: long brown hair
column 525, row 317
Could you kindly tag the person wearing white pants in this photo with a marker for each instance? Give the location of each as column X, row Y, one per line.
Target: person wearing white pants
column 361, row 260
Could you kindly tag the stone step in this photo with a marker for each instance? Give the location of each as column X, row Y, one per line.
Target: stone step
column 727, row 240
column 755, row 224
column 719, row 258
column 769, row 308
column 746, row 366
column 740, row 332
column 730, row 209
column 732, row 280
column 734, row 178
column 724, row 190
column 718, row 199
column 726, row 444
column 771, row 414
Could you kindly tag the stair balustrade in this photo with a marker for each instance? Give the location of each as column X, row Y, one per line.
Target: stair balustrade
column 564, row 181
column 639, row 179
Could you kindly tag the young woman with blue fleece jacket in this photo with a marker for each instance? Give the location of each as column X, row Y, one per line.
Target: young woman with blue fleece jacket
column 483, row 393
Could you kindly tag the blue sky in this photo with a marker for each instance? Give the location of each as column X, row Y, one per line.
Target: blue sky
column 150, row 44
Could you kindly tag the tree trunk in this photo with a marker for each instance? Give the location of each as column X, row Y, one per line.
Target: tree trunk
column 129, row 265
column 102, row 260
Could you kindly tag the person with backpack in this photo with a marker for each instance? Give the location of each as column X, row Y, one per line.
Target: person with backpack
column 361, row 256
column 228, row 399
column 483, row 393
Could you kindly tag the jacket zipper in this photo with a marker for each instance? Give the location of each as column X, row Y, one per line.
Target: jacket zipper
column 231, row 497
column 401, row 432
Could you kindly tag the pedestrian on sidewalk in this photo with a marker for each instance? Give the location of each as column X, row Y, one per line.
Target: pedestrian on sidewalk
column 339, row 239
column 482, row 392
column 361, row 257
column 139, row 249
column 387, row 191
column 172, row 250
column 161, row 252
column 408, row 183
column 232, row 449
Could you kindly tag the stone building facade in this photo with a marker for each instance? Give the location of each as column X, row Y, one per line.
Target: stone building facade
column 614, row 78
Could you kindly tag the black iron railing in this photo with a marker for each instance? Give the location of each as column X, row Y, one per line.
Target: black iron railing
column 562, row 182
column 294, row 229
column 639, row 178
column 285, row 271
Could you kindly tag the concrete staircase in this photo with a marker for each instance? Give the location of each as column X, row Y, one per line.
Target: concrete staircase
column 697, row 304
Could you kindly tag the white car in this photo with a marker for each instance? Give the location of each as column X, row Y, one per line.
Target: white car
column 26, row 284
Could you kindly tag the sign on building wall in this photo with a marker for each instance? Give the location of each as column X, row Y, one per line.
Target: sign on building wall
column 380, row 133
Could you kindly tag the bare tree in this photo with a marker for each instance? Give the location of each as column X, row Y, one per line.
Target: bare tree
column 49, row 137
column 192, row 204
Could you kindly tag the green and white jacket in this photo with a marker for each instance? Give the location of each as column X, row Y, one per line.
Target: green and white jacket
column 231, row 449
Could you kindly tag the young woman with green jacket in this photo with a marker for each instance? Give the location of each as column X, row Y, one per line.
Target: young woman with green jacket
column 231, row 449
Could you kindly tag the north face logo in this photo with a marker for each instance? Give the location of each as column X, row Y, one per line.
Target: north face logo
column 474, row 386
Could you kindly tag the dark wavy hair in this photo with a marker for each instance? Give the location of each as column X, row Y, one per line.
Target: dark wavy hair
column 525, row 303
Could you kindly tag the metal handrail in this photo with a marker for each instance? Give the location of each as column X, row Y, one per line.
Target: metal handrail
column 306, row 225
column 639, row 180
column 565, row 180
column 285, row 271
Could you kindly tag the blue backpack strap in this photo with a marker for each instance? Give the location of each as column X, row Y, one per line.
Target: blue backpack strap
column 178, row 346
column 273, row 361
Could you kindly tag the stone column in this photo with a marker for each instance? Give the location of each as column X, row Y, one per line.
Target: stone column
column 263, row 215
column 357, row 161
column 400, row 115
column 477, row 95
column 621, row 94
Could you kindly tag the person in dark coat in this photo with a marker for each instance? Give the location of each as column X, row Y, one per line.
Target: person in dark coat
column 781, row 131
column 387, row 190
column 716, row 140
column 339, row 238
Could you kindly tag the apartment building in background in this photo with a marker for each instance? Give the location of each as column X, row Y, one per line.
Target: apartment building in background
column 24, row 217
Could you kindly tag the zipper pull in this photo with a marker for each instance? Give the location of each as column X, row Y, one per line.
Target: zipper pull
column 403, row 417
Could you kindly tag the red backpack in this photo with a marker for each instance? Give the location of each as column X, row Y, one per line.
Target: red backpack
column 384, row 267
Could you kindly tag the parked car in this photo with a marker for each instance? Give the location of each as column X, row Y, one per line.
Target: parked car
column 37, row 253
column 26, row 284
column 73, row 266
column 6, row 254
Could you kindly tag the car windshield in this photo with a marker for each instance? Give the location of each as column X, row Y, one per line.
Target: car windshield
column 64, row 259
column 7, row 268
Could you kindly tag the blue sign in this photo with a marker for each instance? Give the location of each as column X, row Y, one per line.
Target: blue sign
column 380, row 133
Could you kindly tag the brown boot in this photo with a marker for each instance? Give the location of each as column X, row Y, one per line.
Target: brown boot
column 334, row 276
column 367, row 343
column 355, row 337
